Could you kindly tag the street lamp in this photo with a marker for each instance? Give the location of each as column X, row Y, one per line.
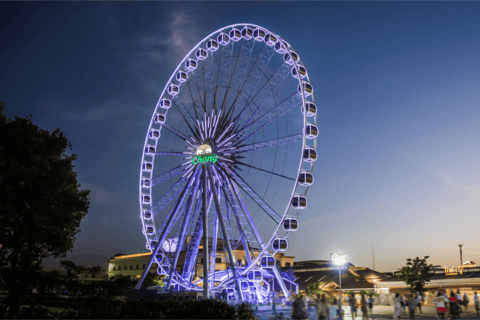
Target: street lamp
column 339, row 260
column 461, row 262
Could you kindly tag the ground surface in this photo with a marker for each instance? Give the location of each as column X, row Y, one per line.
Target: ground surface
column 379, row 312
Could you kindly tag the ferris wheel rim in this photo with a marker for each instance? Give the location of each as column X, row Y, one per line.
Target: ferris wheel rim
column 304, row 100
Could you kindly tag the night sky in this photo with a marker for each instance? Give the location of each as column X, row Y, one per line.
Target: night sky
column 396, row 83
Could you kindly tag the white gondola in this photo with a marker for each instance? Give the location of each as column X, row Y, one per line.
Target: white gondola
column 311, row 109
column 181, row 76
column 247, row 33
column 259, row 34
column 235, row 34
column 223, row 39
column 244, row 285
column 201, row 54
column 271, row 39
column 290, row 224
column 305, row 179
column 301, row 70
column 146, row 183
column 268, row 262
column 280, row 244
column 147, row 215
column 281, row 47
column 146, row 199
column 190, row 64
column 311, row 131
column 150, row 230
column 255, row 275
column 165, row 103
column 149, row 150
column 173, row 89
column 154, row 134
column 159, row 256
column 290, row 57
column 309, row 154
column 212, row 45
column 160, row 118
column 299, row 202
column 307, row 87
column 147, row 166
column 153, row 244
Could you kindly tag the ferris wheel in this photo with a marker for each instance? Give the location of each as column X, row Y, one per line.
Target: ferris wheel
column 227, row 163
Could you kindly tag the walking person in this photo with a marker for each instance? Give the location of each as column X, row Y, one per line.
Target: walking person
column 412, row 305
column 441, row 302
column 403, row 303
column 322, row 308
column 363, row 307
column 370, row 304
column 453, row 306
column 419, row 299
column 466, row 301
column 353, row 306
column 476, row 302
column 397, row 309
column 298, row 308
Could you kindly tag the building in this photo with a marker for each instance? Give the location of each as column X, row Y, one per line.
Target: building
column 354, row 279
column 465, row 278
column 134, row 264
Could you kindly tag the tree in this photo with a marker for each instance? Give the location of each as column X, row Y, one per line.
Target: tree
column 153, row 279
column 416, row 273
column 41, row 207
column 94, row 270
column 119, row 283
column 71, row 275
column 314, row 288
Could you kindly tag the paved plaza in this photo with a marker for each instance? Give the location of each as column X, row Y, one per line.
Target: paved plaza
column 379, row 312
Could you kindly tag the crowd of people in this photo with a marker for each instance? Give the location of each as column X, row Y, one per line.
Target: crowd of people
column 447, row 307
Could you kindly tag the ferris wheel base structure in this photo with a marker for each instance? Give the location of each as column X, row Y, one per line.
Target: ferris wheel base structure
column 227, row 163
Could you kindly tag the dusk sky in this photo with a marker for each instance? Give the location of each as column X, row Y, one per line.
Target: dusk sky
column 397, row 85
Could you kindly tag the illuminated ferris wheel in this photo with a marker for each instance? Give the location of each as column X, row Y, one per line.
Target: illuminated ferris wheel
column 227, row 163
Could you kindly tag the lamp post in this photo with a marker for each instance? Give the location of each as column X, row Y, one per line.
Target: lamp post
column 460, row 246
column 339, row 260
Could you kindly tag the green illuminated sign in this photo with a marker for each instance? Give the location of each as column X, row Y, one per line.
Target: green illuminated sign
column 204, row 158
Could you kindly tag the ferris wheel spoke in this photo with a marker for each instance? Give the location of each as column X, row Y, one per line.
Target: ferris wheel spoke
column 194, row 242
column 168, row 175
column 185, row 115
column 224, row 69
column 255, row 197
column 263, row 170
column 274, row 82
column 181, row 238
column 224, row 231
column 181, row 135
column 266, row 144
column 171, row 194
column 257, row 71
column 243, row 238
column 161, row 153
column 274, row 114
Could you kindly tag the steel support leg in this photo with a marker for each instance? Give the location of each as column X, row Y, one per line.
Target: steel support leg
column 205, row 233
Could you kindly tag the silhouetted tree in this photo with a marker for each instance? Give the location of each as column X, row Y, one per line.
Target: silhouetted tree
column 41, row 205
column 416, row 273
column 153, row 279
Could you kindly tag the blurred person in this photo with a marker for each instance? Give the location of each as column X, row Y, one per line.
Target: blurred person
column 453, row 306
column 363, row 307
column 397, row 306
column 353, row 306
column 466, row 301
column 322, row 308
column 419, row 298
column 441, row 302
column 298, row 308
column 476, row 302
column 412, row 305
column 370, row 304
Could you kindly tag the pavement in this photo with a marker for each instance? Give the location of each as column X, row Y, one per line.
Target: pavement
column 379, row 313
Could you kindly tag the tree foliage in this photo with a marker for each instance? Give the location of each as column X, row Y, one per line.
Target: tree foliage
column 416, row 273
column 314, row 288
column 41, row 207
column 153, row 279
